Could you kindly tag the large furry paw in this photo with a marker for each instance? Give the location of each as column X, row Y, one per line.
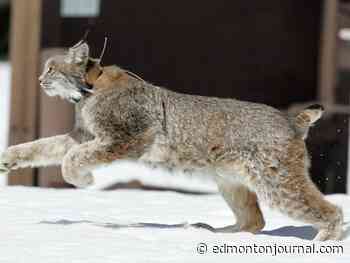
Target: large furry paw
column 334, row 229
column 7, row 161
column 226, row 229
column 85, row 181
column 229, row 229
column 3, row 168
column 333, row 232
column 81, row 181
column 238, row 228
column 328, row 234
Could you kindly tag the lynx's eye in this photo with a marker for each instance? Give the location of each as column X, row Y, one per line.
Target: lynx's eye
column 50, row 70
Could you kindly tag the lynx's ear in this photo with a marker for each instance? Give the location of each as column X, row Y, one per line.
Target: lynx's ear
column 78, row 54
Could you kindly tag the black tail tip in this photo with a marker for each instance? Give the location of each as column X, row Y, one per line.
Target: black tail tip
column 315, row 107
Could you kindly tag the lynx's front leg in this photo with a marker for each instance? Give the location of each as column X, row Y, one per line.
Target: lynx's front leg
column 43, row 152
column 82, row 159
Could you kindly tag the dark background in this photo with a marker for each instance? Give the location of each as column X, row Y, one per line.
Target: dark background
column 4, row 30
column 263, row 51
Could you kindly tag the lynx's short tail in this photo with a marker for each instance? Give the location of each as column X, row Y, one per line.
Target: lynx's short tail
column 305, row 119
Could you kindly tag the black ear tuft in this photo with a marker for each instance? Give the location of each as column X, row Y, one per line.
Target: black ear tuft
column 315, row 107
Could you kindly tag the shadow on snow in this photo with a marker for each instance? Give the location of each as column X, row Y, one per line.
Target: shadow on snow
column 303, row 232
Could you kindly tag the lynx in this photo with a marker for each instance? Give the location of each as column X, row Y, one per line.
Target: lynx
column 253, row 151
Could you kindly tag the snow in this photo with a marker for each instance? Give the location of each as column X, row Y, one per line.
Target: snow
column 47, row 225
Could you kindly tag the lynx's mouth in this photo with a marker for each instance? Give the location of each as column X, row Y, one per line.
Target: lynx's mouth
column 73, row 96
column 48, row 90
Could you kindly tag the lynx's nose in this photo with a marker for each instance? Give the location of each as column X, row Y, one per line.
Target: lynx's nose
column 40, row 80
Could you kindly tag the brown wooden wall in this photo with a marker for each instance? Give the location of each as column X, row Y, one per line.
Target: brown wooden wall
column 264, row 51
column 24, row 55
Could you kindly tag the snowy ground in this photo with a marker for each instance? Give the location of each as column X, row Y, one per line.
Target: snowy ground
column 46, row 225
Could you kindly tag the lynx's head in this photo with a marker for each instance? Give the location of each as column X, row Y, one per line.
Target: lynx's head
column 64, row 75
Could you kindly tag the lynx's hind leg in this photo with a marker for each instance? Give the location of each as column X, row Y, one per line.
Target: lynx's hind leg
column 296, row 196
column 244, row 206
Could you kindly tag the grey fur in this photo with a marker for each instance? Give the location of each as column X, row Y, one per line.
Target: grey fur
column 253, row 151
